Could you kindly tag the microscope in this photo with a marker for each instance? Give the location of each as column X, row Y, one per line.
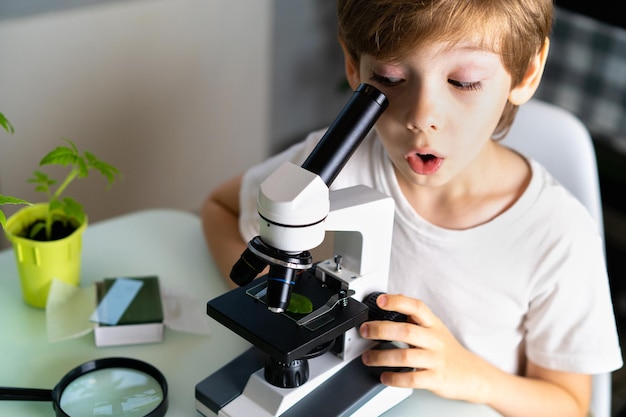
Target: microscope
column 305, row 359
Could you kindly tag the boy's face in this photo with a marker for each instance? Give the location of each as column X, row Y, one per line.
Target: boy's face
column 444, row 104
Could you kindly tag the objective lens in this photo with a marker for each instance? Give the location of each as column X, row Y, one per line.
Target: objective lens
column 246, row 268
column 280, row 282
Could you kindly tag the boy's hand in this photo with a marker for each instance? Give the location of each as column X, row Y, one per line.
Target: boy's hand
column 441, row 364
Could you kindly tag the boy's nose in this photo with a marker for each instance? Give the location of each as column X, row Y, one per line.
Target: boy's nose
column 422, row 113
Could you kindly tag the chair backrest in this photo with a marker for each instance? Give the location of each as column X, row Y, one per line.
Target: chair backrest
column 559, row 141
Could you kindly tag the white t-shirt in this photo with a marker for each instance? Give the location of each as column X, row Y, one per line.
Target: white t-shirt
column 530, row 283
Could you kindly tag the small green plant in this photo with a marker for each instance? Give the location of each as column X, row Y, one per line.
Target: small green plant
column 61, row 209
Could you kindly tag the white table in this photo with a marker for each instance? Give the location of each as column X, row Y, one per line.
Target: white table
column 168, row 243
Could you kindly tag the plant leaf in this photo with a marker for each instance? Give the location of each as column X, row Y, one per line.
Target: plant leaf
column 82, row 167
column 4, row 122
column 73, row 209
column 55, row 205
column 61, row 155
column 74, row 148
column 42, row 181
column 107, row 170
column 6, row 199
column 36, row 228
column 300, row 304
column 41, row 178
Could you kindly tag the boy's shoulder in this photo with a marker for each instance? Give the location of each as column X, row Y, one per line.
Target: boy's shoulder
column 557, row 204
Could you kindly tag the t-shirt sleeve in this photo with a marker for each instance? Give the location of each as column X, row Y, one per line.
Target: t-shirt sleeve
column 570, row 323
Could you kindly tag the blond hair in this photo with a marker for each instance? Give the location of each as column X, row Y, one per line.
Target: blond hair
column 392, row 29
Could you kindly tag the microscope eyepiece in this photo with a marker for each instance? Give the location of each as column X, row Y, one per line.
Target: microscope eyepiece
column 346, row 132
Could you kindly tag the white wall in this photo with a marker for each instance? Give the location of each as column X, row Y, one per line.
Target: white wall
column 308, row 69
column 173, row 92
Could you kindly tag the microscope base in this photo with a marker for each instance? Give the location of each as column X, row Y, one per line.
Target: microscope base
column 352, row 390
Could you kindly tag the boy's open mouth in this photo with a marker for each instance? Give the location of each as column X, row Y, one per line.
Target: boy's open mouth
column 424, row 164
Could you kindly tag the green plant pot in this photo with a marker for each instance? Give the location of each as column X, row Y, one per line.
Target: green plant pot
column 38, row 262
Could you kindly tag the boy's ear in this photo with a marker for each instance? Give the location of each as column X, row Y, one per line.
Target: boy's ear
column 524, row 91
column 353, row 75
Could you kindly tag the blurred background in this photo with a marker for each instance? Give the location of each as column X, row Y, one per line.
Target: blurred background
column 174, row 93
column 586, row 74
column 178, row 94
column 183, row 94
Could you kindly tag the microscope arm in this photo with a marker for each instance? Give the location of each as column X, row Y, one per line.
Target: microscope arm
column 294, row 201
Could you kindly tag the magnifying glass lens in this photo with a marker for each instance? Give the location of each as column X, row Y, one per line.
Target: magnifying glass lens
column 112, row 392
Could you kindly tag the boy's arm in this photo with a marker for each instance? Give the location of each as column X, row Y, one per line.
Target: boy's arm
column 220, row 225
column 222, row 208
column 555, row 393
column 442, row 365
column 541, row 392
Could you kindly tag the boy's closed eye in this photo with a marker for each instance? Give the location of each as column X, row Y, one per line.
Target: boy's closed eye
column 466, row 85
column 394, row 81
column 386, row 81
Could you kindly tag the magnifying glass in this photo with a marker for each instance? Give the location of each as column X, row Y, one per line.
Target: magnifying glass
column 103, row 387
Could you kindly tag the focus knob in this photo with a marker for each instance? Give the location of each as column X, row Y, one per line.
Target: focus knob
column 376, row 313
column 286, row 375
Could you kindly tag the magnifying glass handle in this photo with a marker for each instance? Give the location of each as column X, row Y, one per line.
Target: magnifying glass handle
column 25, row 394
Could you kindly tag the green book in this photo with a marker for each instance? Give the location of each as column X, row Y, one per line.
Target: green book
column 142, row 322
column 146, row 307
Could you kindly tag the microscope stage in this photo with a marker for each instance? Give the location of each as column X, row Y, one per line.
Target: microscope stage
column 278, row 334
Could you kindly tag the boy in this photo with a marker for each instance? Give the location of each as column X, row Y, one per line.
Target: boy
column 499, row 269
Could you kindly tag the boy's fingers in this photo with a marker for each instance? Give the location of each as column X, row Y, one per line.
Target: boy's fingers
column 417, row 311
column 398, row 358
column 408, row 333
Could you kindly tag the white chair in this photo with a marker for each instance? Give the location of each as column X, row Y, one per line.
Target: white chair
column 557, row 139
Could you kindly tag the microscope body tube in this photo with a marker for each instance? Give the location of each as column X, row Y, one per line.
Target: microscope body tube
column 346, row 133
